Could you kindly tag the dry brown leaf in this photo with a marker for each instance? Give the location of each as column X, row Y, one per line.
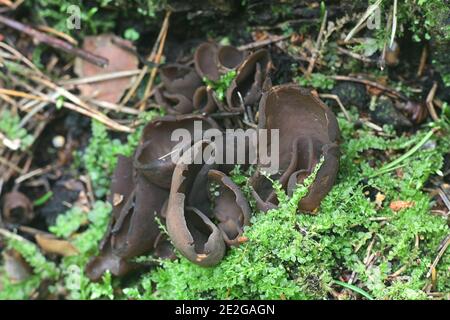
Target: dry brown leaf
column 16, row 268
column 119, row 59
column 400, row 204
column 56, row 246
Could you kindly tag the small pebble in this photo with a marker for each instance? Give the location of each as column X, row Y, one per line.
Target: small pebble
column 58, row 141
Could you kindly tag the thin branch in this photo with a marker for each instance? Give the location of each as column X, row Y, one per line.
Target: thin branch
column 263, row 43
column 156, row 60
column 439, row 256
column 101, row 77
column 394, row 23
column 316, row 52
column 54, row 42
column 80, row 106
column 339, row 102
column 144, row 71
column 429, row 102
column 390, row 91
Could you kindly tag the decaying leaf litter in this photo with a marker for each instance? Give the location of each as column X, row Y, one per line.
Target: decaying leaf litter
column 54, row 180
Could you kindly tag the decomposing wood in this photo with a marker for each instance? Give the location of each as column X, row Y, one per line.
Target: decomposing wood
column 53, row 42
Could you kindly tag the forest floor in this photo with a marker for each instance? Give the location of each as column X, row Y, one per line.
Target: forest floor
column 381, row 233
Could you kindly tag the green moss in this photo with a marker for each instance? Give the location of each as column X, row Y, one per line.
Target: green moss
column 41, row 267
column 220, row 87
column 317, row 81
column 10, row 127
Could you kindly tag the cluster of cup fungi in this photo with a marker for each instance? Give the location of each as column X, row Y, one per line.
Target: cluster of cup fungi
column 203, row 210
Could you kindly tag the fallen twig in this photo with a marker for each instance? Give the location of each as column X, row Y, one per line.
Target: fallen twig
column 355, row 55
column 316, row 52
column 15, row 93
column 54, row 42
column 59, row 34
column 439, row 256
column 423, row 60
column 444, row 198
column 390, row 91
column 143, row 72
column 100, row 77
column 429, row 102
column 20, row 56
column 263, row 43
column 80, row 106
column 339, row 102
column 156, row 60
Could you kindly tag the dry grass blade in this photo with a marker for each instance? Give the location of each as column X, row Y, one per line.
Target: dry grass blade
column 394, row 23
column 263, row 43
column 144, row 70
column 11, row 165
column 339, row 102
column 156, row 60
column 80, row 106
column 15, row 93
column 371, row 9
column 316, row 52
column 430, row 104
column 53, row 42
column 7, row 3
column 100, row 77
column 21, row 57
column 439, row 256
column 59, row 34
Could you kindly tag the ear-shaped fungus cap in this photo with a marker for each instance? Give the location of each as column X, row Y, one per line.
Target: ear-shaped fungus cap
column 249, row 80
column 17, row 208
column 229, row 57
column 180, row 79
column 229, row 206
column 133, row 229
column 174, row 103
column 153, row 157
column 205, row 59
column 308, row 130
column 136, row 229
column 191, row 231
column 121, row 188
column 212, row 61
column 203, row 100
